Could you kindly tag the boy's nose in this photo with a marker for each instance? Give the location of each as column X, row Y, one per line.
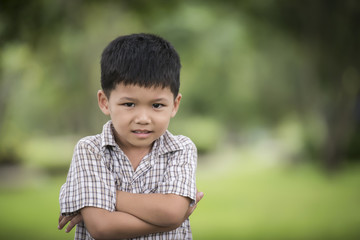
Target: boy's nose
column 142, row 118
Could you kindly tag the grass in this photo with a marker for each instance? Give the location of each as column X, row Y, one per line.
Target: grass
column 244, row 199
column 32, row 212
column 253, row 200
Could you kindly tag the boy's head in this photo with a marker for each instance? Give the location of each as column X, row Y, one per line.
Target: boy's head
column 145, row 60
column 140, row 82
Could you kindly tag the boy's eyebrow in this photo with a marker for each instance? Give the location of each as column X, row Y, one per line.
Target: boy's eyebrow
column 134, row 99
column 127, row 99
column 160, row 99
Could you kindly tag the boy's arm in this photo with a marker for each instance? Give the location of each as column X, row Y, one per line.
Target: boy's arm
column 158, row 209
column 103, row 224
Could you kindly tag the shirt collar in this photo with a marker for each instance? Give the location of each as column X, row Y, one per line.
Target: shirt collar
column 107, row 136
column 167, row 143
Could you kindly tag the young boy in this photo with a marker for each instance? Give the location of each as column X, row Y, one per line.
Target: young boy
column 135, row 179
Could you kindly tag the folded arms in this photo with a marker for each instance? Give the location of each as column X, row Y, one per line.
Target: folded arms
column 136, row 215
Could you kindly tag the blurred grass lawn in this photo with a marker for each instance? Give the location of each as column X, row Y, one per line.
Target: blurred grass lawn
column 279, row 204
column 244, row 199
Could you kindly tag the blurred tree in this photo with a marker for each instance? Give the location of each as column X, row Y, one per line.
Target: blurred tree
column 44, row 63
column 246, row 63
column 29, row 39
column 328, row 30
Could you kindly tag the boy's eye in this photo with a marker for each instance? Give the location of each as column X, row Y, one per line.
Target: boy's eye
column 129, row 104
column 158, row 105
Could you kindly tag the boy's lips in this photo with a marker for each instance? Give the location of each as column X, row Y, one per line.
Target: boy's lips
column 140, row 133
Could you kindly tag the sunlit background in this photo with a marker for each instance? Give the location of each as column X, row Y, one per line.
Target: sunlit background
column 270, row 97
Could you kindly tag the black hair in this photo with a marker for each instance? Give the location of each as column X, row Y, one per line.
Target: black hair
column 141, row 59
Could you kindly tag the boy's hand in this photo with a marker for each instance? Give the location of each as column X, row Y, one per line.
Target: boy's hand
column 73, row 219
column 199, row 196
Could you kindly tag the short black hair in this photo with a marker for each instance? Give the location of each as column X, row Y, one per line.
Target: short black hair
column 141, row 59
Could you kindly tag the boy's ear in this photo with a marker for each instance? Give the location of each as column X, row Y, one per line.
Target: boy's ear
column 103, row 102
column 176, row 105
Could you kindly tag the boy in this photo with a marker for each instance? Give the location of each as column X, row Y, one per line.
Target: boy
column 135, row 179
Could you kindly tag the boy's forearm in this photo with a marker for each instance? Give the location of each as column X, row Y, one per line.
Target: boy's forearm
column 158, row 209
column 103, row 224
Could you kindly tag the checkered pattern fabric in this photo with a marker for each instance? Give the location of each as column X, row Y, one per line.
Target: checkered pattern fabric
column 99, row 168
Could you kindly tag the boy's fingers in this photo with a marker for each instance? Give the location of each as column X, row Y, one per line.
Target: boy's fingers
column 190, row 210
column 199, row 196
column 193, row 208
column 60, row 218
column 64, row 221
column 77, row 219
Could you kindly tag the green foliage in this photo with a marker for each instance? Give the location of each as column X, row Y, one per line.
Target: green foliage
column 205, row 132
column 245, row 65
column 52, row 154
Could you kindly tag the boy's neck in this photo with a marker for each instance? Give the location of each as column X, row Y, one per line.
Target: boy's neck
column 136, row 155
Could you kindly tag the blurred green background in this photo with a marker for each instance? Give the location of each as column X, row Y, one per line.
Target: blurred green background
column 270, row 96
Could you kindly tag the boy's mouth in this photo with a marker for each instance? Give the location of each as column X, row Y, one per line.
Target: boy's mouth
column 141, row 131
column 142, row 134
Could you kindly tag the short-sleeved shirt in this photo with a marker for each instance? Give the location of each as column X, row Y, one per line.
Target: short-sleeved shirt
column 99, row 168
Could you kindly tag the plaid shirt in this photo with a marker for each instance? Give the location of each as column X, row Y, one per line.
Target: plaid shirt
column 99, row 168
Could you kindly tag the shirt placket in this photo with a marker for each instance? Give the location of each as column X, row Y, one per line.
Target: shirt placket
column 140, row 174
column 131, row 181
column 124, row 173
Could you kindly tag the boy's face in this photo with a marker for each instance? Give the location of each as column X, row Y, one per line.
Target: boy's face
column 140, row 115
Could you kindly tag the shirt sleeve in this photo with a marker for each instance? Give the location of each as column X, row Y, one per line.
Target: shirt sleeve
column 180, row 176
column 89, row 183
